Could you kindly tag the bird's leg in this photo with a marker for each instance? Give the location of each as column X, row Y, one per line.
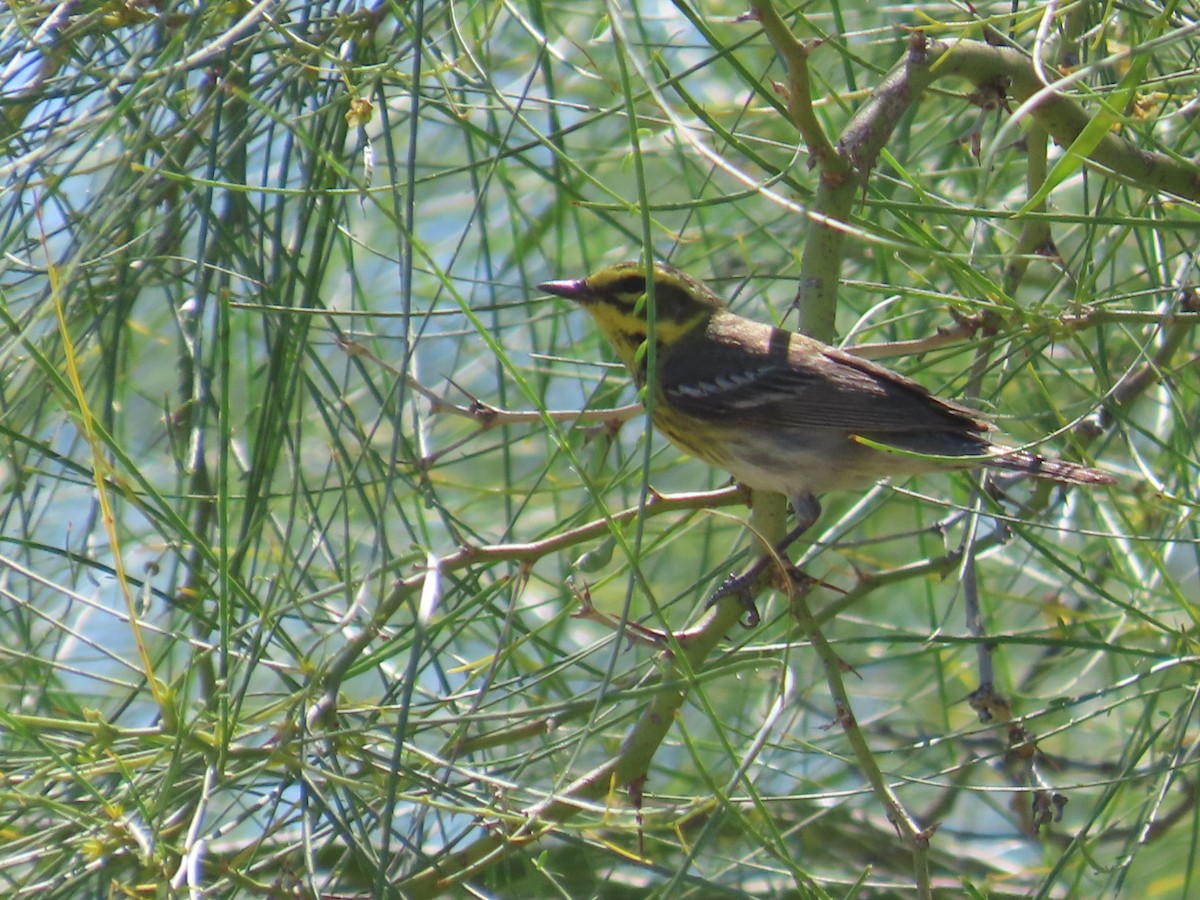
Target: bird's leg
column 808, row 510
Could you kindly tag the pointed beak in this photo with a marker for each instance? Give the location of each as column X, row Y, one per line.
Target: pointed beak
column 575, row 289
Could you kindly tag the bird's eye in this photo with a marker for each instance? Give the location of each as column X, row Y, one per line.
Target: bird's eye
column 631, row 286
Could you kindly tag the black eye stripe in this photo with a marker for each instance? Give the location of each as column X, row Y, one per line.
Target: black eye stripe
column 631, row 285
column 674, row 300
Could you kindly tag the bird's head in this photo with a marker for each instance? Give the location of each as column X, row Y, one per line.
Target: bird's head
column 616, row 298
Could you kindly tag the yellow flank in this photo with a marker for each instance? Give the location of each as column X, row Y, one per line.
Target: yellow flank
column 682, row 432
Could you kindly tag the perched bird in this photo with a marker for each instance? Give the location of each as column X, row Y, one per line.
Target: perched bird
column 778, row 410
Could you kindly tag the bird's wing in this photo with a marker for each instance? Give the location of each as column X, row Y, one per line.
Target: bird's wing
column 770, row 378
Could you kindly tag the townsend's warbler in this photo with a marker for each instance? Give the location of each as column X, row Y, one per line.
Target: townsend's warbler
column 780, row 411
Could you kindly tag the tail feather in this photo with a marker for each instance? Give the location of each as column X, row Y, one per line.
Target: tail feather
column 1051, row 469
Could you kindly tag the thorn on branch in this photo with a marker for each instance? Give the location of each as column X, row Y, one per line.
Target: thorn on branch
column 486, row 414
column 965, row 326
column 1021, row 743
column 524, row 572
column 483, row 413
column 843, row 717
column 1189, row 299
column 632, row 631
column 1044, row 809
column 918, row 45
column 637, row 789
column 613, row 426
column 583, row 595
column 1060, row 803
column 989, row 704
column 991, row 95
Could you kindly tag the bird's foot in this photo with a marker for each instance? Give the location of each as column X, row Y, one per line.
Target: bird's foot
column 793, row 581
column 790, row 579
column 740, row 586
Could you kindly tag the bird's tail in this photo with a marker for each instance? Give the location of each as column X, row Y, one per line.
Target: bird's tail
column 1040, row 467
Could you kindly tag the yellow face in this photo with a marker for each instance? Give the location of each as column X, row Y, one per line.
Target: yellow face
column 615, row 297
